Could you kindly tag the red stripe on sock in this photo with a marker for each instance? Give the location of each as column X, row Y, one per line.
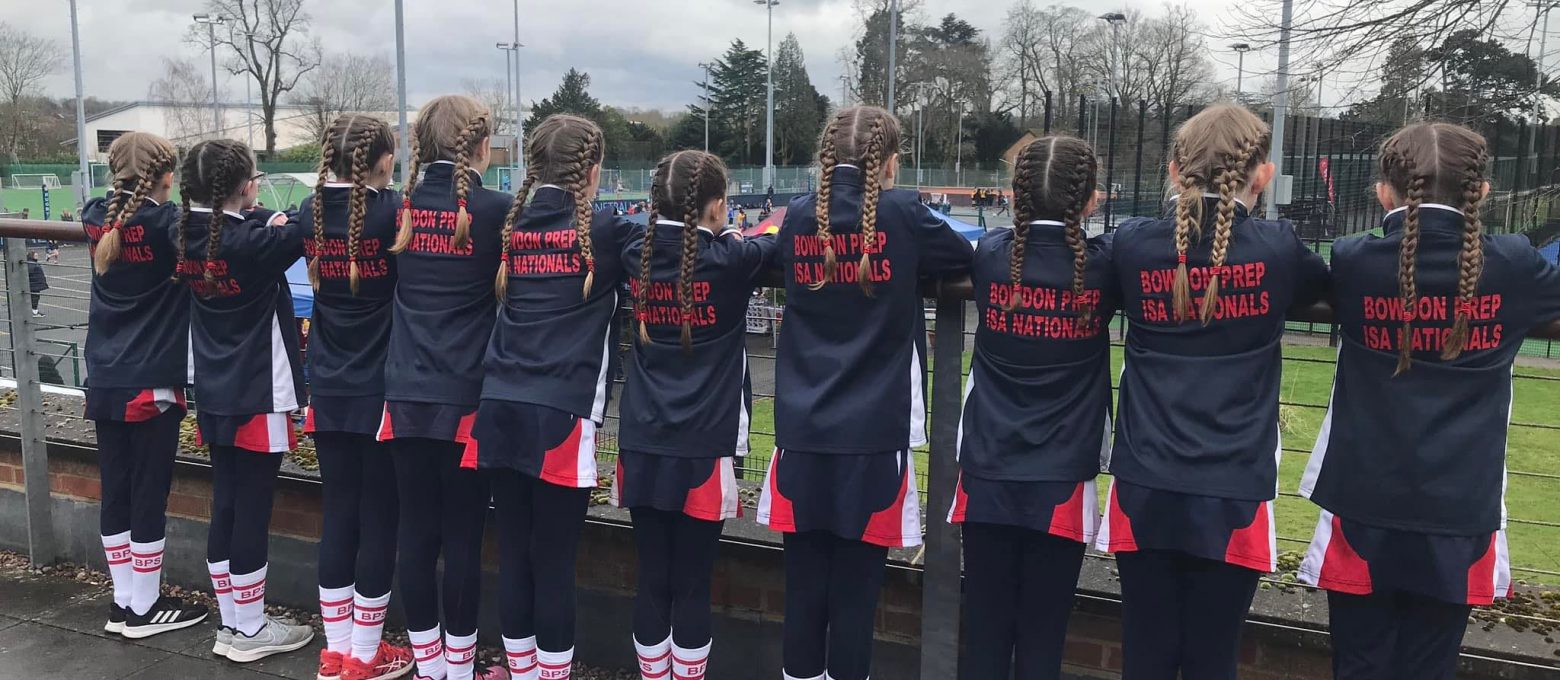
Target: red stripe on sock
column 380, row 608
column 552, row 666
column 117, row 547
column 256, row 598
column 654, row 659
column 461, row 650
column 662, row 674
column 335, row 619
column 425, row 645
column 337, row 603
column 119, row 562
column 148, row 570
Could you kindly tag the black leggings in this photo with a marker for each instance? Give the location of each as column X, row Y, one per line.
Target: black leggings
column 1018, row 586
column 1181, row 615
column 676, row 558
column 357, row 545
column 831, row 593
column 538, row 540
column 1395, row 636
column 242, row 486
column 443, row 508
column 135, row 465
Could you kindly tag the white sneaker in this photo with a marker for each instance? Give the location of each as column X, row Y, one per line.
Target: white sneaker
column 224, row 641
column 274, row 637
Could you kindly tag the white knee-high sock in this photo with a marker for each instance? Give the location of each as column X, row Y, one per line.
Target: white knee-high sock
column 368, row 625
column 520, row 656
column 689, row 664
column 146, row 581
column 222, row 585
column 554, row 665
column 428, row 650
column 117, row 549
column 249, row 601
column 655, row 661
column 460, row 656
column 336, row 613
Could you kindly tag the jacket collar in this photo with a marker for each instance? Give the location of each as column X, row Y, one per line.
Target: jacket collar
column 229, row 213
column 1432, row 216
column 148, row 199
column 674, row 223
column 847, row 174
column 446, row 169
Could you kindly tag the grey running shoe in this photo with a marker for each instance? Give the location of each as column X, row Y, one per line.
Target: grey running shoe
column 274, row 637
column 224, row 641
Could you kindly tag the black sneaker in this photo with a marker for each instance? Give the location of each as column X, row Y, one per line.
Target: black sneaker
column 116, row 619
column 168, row 613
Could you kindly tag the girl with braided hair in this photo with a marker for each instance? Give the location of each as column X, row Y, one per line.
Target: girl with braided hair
column 1036, row 416
column 850, row 386
column 546, row 378
column 353, row 216
column 1410, row 469
column 137, row 356
column 247, row 375
column 686, row 401
column 447, row 247
column 1195, row 458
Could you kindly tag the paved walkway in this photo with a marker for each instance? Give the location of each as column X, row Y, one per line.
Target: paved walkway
column 52, row 627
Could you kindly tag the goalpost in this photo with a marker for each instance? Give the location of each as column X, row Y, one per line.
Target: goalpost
column 35, row 181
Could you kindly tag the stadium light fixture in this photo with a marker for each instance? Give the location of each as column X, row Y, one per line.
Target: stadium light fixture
column 1115, row 19
column 211, row 21
column 1240, row 68
column 769, row 118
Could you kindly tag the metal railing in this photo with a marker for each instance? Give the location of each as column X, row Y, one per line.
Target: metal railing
column 65, row 315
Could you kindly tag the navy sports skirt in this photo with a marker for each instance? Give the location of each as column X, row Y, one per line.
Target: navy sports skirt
column 862, row 497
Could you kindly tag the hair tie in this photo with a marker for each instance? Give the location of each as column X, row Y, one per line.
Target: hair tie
column 211, row 266
column 687, row 316
column 642, row 315
column 590, row 265
column 406, row 203
column 115, row 225
column 1180, row 258
column 461, row 203
column 1465, row 308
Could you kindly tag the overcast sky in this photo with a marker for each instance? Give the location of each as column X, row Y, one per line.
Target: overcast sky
column 638, row 53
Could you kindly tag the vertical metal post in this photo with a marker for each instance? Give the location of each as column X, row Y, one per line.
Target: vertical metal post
column 1110, row 169
column 519, row 107
column 1166, row 112
column 958, row 149
column 1538, row 80
column 29, row 406
column 1137, row 176
column 83, row 190
column 769, row 117
column 1083, row 117
column 1280, row 108
column 216, row 107
column 706, row 106
column 940, row 586
column 1048, row 112
column 404, row 140
column 893, row 48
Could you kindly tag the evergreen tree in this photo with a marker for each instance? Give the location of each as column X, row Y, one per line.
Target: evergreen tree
column 572, row 96
column 738, row 100
column 799, row 108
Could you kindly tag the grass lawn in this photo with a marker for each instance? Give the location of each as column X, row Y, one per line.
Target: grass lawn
column 1304, row 392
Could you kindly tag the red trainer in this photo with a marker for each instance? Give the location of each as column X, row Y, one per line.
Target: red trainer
column 492, row 673
column 330, row 665
column 389, row 662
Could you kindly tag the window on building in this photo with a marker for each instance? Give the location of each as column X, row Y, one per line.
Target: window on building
column 107, row 137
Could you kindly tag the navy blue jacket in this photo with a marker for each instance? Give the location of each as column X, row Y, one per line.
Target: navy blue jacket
column 551, row 346
column 851, row 370
column 350, row 334
column 1037, row 406
column 1198, row 409
column 138, row 322
column 444, row 304
column 243, row 336
column 695, row 403
column 1425, row 451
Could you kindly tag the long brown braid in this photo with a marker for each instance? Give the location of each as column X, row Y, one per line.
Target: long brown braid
column 327, row 161
column 449, row 128
column 351, row 144
column 563, row 150
column 685, row 183
column 867, row 137
column 1437, row 163
column 1215, row 151
column 139, row 159
column 660, row 179
column 213, row 171
column 1054, row 177
column 507, row 234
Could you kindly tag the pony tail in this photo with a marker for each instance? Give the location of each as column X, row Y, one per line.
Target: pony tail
column 184, row 224
column 1079, row 192
column 872, row 165
column 403, row 234
column 826, row 162
column 1025, row 175
column 1408, row 255
column 589, row 152
column 357, row 210
column 507, row 234
column 1470, row 262
column 109, row 244
column 642, row 300
column 1224, row 219
column 1186, row 221
column 463, row 180
column 327, row 158
column 690, row 252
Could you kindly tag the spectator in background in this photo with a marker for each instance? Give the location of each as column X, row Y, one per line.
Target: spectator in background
column 67, row 217
column 37, row 281
column 51, row 252
column 1002, row 203
column 26, row 213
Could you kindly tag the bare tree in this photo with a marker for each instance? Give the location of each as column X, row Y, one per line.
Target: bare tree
column 345, row 83
column 1118, row 59
column 1175, row 56
column 1063, row 69
column 1022, row 57
column 493, row 93
column 25, row 60
column 267, row 40
column 185, row 95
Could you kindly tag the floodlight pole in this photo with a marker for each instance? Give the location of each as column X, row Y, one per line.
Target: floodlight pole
column 403, row 141
column 211, row 21
column 893, row 47
column 1280, row 109
column 519, row 109
column 85, row 186
column 769, row 117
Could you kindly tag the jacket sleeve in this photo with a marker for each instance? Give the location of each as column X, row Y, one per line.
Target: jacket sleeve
column 1101, row 251
column 275, row 247
column 758, row 255
column 943, row 251
column 1546, row 288
column 1313, row 281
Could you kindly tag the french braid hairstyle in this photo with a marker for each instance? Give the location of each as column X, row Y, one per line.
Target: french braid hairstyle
column 685, row 183
column 350, row 147
column 1215, row 152
column 1437, row 163
column 449, row 128
column 866, row 137
column 562, row 150
column 138, row 160
column 1053, row 178
column 212, row 173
